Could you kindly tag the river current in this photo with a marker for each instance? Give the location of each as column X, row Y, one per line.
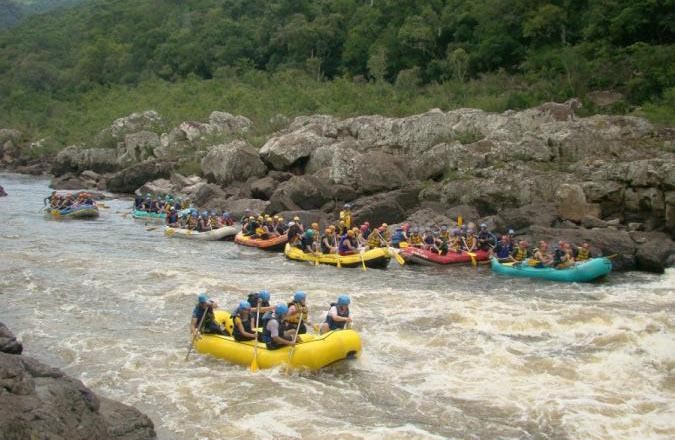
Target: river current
column 448, row 352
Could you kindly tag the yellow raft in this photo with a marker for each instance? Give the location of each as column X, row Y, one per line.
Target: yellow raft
column 314, row 353
column 378, row 257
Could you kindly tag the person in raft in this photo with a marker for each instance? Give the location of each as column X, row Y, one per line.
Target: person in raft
column 243, row 329
column 338, row 315
column 209, row 323
column 297, row 308
column 262, row 298
column 275, row 334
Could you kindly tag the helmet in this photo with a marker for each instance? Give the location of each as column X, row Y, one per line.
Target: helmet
column 483, row 225
column 281, row 219
column 511, row 232
column 415, row 230
column 366, row 223
column 251, row 218
column 384, row 225
column 244, row 305
column 147, row 195
column 226, row 214
column 310, row 233
column 327, row 231
column 296, row 218
column 173, row 208
column 299, row 296
column 350, row 233
column 291, row 224
column 444, row 228
column 343, row 300
column 203, row 297
column 315, row 226
column 264, row 295
column 348, row 205
column 281, row 309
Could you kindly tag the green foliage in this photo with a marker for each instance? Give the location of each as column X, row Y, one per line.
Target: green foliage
column 466, row 137
column 69, row 73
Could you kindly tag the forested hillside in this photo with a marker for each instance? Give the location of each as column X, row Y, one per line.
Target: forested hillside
column 10, row 13
column 398, row 55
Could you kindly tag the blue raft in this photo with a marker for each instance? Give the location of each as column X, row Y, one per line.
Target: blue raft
column 584, row 272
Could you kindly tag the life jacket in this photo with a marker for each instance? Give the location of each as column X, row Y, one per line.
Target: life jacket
column 293, row 232
column 246, row 324
column 260, row 232
column 429, row 240
column 346, row 216
column 334, row 325
column 503, row 250
column 172, row 218
column 192, row 222
column 583, row 254
column 325, row 248
column 266, row 334
column 415, row 239
column 374, row 239
column 208, row 319
column 445, row 236
column 520, row 254
column 470, row 241
column 294, row 319
column 214, row 222
column 342, row 247
column 397, row 237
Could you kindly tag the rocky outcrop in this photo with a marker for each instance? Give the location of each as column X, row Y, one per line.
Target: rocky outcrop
column 8, row 342
column 127, row 180
column 43, row 402
column 75, row 159
column 299, row 193
column 233, row 162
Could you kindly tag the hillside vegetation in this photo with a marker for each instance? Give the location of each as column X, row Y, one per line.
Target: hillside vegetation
column 69, row 73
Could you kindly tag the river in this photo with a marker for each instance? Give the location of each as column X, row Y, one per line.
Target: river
column 449, row 352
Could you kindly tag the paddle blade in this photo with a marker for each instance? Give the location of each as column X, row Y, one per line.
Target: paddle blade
column 459, row 221
column 254, row 365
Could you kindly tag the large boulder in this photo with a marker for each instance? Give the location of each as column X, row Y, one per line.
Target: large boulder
column 654, row 250
column 371, row 173
column 263, row 188
column 207, row 193
column 572, row 205
column 299, row 193
column 391, row 207
column 542, row 214
column 42, row 402
column 135, row 122
column 282, row 152
column 10, row 145
column 76, row 159
column 158, row 188
column 237, row 207
column 127, row 180
column 227, row 123
column 137, row 147
column 236, row 161
column 8, row 342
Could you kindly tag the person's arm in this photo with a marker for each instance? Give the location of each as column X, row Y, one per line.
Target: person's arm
column 274, row 334
column 337, row 318
column 240, row 326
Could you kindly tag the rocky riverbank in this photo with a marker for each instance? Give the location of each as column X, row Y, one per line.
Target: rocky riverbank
column 541, row 171
column 43, row 402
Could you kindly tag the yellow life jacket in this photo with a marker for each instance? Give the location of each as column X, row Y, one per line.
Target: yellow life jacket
column 374, row 240
column 301, row 310
column 346, row 216
column 259, row 231
column 445, row 236
column 520, row 254
column 470, row 241
column 583, row 254
column 415, row 239
column 214, row 222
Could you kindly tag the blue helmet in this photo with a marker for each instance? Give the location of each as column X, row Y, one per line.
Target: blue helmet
column 226, row 214
column 264, row 295
column 281, row 309
column 299, row 296
column 244, row 305
column 203, row 297
column 343, row 300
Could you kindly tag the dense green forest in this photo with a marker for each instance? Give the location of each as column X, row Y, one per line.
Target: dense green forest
column 69, row 73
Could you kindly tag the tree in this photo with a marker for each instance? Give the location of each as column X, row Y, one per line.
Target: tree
column 458, row 60
column 377, row 63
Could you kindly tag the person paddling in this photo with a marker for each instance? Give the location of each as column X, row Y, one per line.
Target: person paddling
column 243, row 323
column 275, row 334
column 338, row 315
column 297, row 309
column 209, row 324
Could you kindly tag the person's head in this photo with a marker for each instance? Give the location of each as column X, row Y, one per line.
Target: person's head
column 511, row 232
column 415, row 230
column 342, row 222
column 296, row 219
column 505, row 238
column 586, row 245
column 350, row 233
column 384, row 226
column 348, row 205
column 444, row 228
column 363, row 228
column 523, row 244
column 203, row 299
column 244, row 306
column 264, row 295
column 343, row 300
column 280, row 310
column 299, row 296
column 327, row 231
column 251, row 218
column 483, row 226
column 173, row 209
column 226, row 214
column 315, row 226
column 543, row 245
column 291, row 224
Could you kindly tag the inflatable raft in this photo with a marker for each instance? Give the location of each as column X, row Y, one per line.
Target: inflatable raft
column 145, row 215
column 212, row 235
column 313, row 353
column 583, row 272
column 79, row 212
column 271, row 244
column 378, row 258
column 422, row 256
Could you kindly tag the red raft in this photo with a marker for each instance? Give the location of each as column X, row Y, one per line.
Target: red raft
column 422, row 256
column 272, row 244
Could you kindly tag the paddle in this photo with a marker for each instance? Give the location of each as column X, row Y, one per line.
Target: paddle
column 254, row 362
column 470, row 254
column 363, row 263
column 295, row 338
column 337, row 253
column 194, row 337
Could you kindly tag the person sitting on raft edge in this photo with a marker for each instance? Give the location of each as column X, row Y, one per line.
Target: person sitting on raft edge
column 337, row 316
column 209, row 323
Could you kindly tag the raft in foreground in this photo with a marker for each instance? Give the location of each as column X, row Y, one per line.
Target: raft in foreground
column 376, row 258
column 212, row 235
column 585, row 272
column 422, row 256
column 77, row 212
column 314, row 353
column 271, row 244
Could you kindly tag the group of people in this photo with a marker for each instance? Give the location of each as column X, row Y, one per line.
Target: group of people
column 158, row 205
column 563, row 256
column 68, row 200
column 204, row 221
column 279, row 324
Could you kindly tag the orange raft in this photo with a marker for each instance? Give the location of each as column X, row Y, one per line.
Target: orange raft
column 275, row 244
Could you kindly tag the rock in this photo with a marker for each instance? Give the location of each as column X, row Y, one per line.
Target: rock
column 281, row 152
column 588, row 221
column 468, row 213
column 263, row 188
column 571, row 203
column 135, row 122
column 157, row 188
column 343, row 193
column 371, row 173
column 71, row 182
column 8, row 342
column 76, row 159
column 137, row 147
column 378, row 209
column 208, row 192
column 299, row 193
column 179, row 181
column 10, row 145
column 528, row 215
column 90, row 175
column 42, row 402
column 280, row 176
column 604, row 98
column 424, row 218
column 636, row 227
column 129, row 179
column 560, row 112
column 654, row 250
column 237, row 208
column 236, row 161
column 228, row 124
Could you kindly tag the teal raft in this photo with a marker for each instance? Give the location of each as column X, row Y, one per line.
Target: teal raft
column 148, row 215
column 579, row 273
